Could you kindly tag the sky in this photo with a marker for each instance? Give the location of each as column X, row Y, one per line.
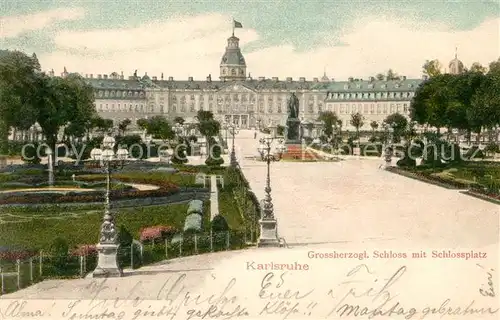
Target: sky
column 280, row 38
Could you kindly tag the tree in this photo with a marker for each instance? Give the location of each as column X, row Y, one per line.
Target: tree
column 357, row 121
column 28, row 96
column 122, row 126
column 179, row 120
column 18, row 77
column 398, row 123
column 159, row 127
column 494, row 67
column 477, row 67
column 329, row 120
column 374, row 126
column 209, row 127
column 432, row 68
column 380, row 76
column 100, row 124
column 142, row 123
column 391, row 75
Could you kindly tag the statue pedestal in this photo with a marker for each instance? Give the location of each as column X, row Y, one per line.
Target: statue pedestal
column 107, row 263
column 268, row 233
column 295, row 150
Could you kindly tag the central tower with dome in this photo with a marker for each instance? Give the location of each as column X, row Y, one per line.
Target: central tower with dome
column 232, row 65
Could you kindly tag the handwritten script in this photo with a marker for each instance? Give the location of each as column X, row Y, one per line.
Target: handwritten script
column 360, row 293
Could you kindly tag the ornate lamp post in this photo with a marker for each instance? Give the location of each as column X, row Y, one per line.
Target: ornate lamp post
column 268, row 223
column 179, row 130
column 388, row 150
column 50, row 165
column 233, row 130
column 107, row 248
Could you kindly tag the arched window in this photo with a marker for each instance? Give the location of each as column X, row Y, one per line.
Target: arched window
column 233, row 72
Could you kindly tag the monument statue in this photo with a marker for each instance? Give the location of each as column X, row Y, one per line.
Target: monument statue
column 293, row 121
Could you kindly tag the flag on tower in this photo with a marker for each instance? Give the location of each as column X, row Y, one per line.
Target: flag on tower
column 237, row 24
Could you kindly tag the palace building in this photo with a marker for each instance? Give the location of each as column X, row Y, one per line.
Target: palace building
column 249, row 102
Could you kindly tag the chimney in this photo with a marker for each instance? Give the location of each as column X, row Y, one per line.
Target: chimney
column 289, row 79
column 302, row 79
column 275, row 79
column 190, row 78
column 99, row 76
column 105, row 76
column 155, row 78
column 91, row 76
column 315, row 79
column 262, row 78
column 209, row 78
column 122, row 77
column 170, row 78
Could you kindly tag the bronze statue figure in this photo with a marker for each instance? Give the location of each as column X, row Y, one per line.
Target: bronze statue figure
column 293, row 122
column 293, row 106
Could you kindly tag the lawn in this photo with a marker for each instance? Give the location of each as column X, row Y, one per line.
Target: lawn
column 82, row 226
column 37, row 227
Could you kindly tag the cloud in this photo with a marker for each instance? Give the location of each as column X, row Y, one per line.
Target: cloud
column 193, row 46
column 13, row 26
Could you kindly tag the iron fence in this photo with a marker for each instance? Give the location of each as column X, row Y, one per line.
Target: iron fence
column 21, row 273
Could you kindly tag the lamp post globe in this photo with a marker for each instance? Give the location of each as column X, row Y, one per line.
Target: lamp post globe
column 122, row 154
column 108, row 142
column 95, row 154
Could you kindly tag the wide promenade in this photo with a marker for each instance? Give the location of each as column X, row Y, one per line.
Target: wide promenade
column 354, row 201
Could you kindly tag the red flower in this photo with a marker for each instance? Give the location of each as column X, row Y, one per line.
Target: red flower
column 13, row 255
column 156, row 232
column 84, row 250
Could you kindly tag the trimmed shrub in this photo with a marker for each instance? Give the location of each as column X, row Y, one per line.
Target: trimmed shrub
column 195, row 206
column 193, row 223
column 474, row 153
column 219, row 224
column 179, row 155
column 214, row 158
column 59, row 250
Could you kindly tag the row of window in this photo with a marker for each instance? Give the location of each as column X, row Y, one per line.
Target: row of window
column 103, row 107
column 379, row 108
column 369, row 95
column 118, row 94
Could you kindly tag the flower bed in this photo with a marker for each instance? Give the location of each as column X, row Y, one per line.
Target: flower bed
column 484, row 194
column 166, row 188
column 156, row 233
column 425, row 177
column 84, row 250
column 13, row 254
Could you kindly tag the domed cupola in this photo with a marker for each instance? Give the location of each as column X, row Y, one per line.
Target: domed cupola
column 456, row 66
column 232, row 65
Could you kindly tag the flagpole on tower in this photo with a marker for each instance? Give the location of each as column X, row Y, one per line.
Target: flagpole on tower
column 232, row 24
